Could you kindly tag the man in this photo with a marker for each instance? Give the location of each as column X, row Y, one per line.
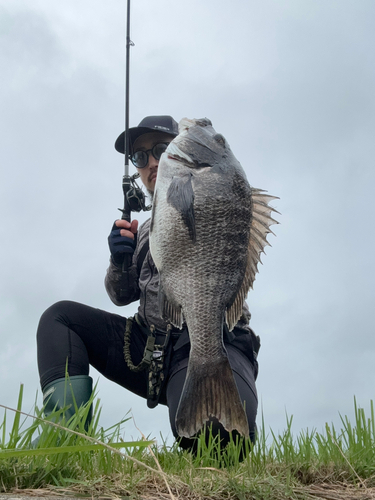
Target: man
column 152, row 362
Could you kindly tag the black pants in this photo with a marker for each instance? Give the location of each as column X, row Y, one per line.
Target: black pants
column 81, row 336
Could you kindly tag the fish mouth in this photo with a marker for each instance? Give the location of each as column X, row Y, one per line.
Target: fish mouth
column 175, row 153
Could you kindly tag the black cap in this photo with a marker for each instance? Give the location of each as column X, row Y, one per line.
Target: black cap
column 165, row 124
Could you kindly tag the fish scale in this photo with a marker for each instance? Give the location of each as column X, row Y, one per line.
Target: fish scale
column 208, row 228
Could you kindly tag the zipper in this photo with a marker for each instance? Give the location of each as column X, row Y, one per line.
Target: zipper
column 145, row 290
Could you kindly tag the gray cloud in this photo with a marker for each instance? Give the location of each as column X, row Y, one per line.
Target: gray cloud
column 290, row 85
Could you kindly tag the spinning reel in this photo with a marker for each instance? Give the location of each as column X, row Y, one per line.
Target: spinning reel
column 134, row 196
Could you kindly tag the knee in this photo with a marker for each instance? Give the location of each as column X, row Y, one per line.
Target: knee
column 56, row 312
column 215, row 438
column 213, row 431
column 249, row 399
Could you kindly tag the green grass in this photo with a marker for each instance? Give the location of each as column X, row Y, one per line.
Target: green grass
column 330, row 464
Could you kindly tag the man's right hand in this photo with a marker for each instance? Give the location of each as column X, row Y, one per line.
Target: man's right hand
column 122, row 239
column 128, row 229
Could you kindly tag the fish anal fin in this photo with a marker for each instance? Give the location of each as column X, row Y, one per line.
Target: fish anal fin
column 210, row 391
column 169, row 311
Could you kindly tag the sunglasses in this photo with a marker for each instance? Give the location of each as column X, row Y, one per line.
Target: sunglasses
column 140, row 158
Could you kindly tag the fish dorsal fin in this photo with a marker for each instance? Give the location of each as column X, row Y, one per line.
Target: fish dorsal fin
column 261, row 221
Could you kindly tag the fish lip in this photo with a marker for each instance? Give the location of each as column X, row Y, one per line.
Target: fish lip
column 198, row 167
column 180, row 160
column 175, row 153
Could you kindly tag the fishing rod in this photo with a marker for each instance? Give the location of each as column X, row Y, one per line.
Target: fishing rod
column 134, row 198
column 126, row 180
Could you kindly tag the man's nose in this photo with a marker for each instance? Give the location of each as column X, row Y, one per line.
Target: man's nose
column 152, row 162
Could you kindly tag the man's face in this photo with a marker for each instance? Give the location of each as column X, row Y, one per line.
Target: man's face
column 144, row 143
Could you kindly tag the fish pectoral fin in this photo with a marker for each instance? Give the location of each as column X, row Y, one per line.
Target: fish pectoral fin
column 181, row 196
column 169, row 311
column 210, row 391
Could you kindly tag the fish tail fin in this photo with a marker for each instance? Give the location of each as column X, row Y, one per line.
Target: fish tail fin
column 210, row 392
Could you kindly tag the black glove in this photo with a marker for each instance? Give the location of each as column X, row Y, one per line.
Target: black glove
column 120, row 245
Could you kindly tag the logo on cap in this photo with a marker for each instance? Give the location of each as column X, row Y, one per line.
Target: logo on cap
column 160, row 126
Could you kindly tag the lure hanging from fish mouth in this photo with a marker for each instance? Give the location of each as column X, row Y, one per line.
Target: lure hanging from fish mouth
column 208, row 229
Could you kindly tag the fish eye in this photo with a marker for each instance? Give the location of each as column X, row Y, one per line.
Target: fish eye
column 204, row 122
column 220, row 139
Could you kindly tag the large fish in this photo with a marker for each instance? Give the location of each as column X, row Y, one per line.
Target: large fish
column 208, row 229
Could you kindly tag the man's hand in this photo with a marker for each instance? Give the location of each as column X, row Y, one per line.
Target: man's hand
column 128, row 229
column 122, row 239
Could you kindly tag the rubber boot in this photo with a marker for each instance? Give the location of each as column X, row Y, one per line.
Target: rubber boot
column 73, row 392
column 59, row 394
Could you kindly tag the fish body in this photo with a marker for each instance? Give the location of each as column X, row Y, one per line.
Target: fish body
column 203, row 245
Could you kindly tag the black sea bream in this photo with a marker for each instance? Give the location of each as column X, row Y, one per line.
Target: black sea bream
column 208, row 229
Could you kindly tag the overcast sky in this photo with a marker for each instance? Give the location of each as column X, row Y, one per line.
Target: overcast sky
column 289, row 83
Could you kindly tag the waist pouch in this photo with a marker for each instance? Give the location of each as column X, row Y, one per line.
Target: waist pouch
column 159, row 360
